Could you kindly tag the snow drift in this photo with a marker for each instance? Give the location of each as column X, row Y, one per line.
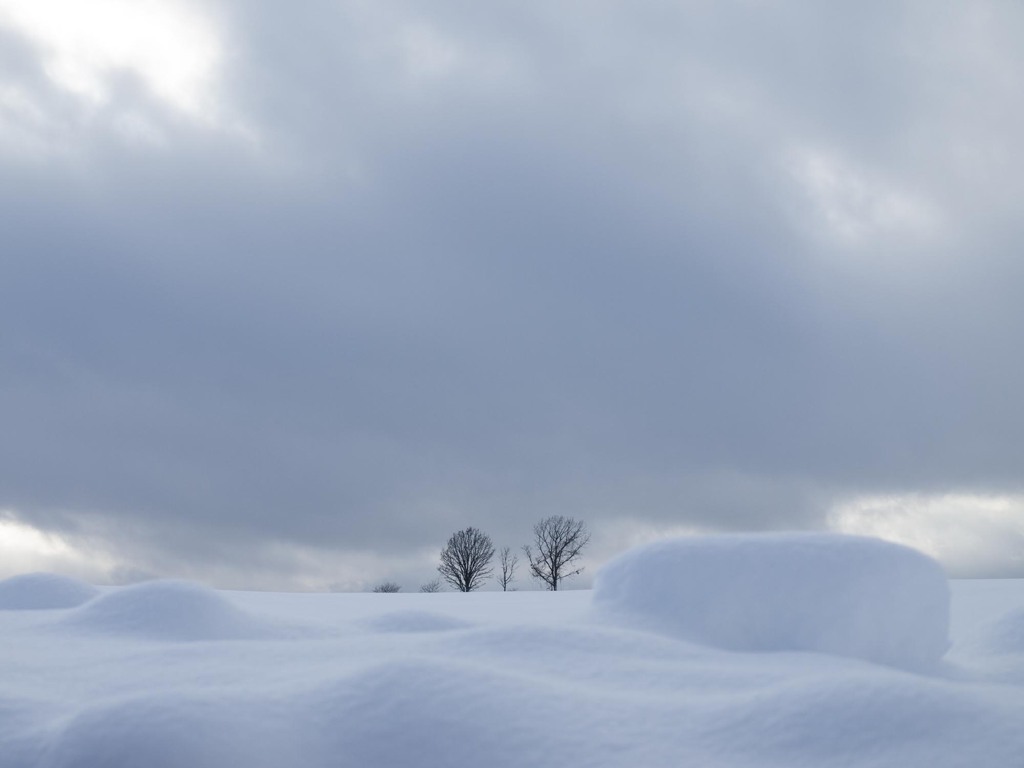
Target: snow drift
column 843, row 595
column 168, row 610
column 44, row 591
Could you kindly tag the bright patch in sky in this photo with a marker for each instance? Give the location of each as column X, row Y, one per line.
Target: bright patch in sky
column 170, row 46
column 969, row 534
column 855, row 205
column 24, row 549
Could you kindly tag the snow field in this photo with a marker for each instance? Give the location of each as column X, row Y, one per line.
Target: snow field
column 169, row 674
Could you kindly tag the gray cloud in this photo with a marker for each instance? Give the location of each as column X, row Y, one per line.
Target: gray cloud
column 711, row 265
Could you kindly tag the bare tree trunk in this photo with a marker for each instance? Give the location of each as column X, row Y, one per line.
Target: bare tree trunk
column 509, row 561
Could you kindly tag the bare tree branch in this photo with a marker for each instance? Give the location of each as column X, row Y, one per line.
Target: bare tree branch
column 559, row 541
column 388, row 587
column 509, row 561
column 465, row 560
column 434, row 585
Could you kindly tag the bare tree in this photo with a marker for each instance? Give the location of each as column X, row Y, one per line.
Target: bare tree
column 388, row 586
column 559, row 541
column 509, row 560
column 465, row 560
column 434, row 585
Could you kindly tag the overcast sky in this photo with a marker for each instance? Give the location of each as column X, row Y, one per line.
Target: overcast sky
column 290, row 292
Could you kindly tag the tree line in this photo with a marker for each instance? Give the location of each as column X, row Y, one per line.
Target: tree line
column 467, row 560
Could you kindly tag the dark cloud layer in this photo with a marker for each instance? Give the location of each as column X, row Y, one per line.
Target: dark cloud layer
column 710, row 265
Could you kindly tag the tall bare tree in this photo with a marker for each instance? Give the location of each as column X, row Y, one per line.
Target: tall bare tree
column 508, row 560
column 559, row 541
column 466, row 559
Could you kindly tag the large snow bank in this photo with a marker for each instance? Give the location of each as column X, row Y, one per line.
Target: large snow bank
column 44, row 591
column 167, row 610
column 843, row 595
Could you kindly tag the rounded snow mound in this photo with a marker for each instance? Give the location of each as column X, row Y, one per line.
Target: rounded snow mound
column 825, row 593
column 44, row 591
column 416, row 621
column 167, row 610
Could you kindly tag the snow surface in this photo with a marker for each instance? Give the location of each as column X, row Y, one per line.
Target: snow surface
column 167, row 674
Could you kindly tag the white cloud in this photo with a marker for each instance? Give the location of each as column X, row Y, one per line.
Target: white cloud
column 972, row 535
column 170, row 46
column 130, row 68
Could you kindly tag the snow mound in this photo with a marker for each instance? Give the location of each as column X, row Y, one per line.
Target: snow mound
column 168, row 610
column 44, row 591
column 416, row 621
column 824, row 593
